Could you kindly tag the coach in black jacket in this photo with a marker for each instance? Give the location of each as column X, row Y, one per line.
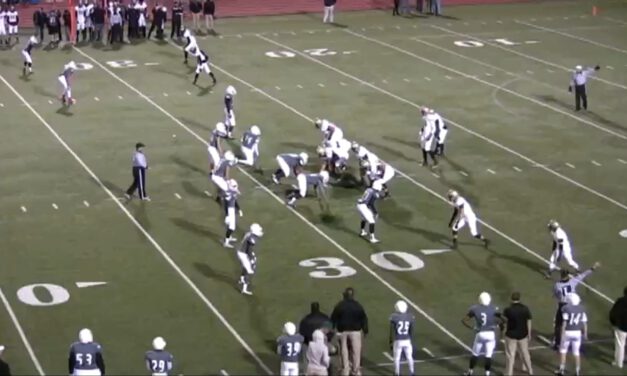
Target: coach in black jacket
column 618, row 319
column 40, row 22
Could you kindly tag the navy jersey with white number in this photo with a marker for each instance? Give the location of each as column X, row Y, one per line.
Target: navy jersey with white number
column 486, row 317
column 214, row 140
column 574, row 316
column 248, row 243
column 85, row 356
column 222, row 167
column 230, row 200
column 291, row 159
column 249, row 140
column 159, row 361
column 290, row 347
column 403, row 324
column 369, row 198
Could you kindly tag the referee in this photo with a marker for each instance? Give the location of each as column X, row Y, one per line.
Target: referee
column 580, row 76
column 140, row 165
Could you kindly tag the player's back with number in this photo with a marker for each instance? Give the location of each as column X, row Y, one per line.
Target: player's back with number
column 574, row 317
column 486, row 317
column 403, row 325
column 159, row 362
column 86, row 359
column 290, row 347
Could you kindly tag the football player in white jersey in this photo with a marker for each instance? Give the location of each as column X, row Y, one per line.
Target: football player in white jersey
column 463, row 215
column 229, row 109
column 26, row 54
column 335, row 158
column 441, row 132
column 191, row 46
column 428, row 137
column 332, row 133
column 13, row 20
column 561, row 248
column 368, row 163
column 202, row 65
column 3, row 25
column 66, row 83
column 81, row 20
column 383, row 175
column 232, row 210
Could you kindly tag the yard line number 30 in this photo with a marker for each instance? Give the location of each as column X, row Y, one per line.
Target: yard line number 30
column 333, row 267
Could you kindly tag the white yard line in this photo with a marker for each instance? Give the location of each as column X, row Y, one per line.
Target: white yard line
column 23, row 208
column 590, row 41
column 468, row 130
column 463, row 173
column 570, row 165
column 428, row 352
column 511, row 50
column 97, row 99
column 596, row 163
column 622, row 161
column 207, row 193
column 387, row 355
column 517, row 169
column 54, row 206
column 120, row 97
column 224, row 373
column 509, row 91
column 178, row 196
column 86, row 203
column 315, row 228
column 20, row 331
column 491, row 171
column 132, row 219
column 416, row 183
column 544, row 339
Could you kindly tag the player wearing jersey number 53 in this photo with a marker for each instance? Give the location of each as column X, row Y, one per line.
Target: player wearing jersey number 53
column 86, row 356
column 487, row 318
column 289, row 347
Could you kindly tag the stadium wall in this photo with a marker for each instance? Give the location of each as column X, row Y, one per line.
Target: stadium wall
column 243, row 8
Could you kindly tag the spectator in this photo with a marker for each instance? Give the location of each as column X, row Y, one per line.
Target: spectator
column 318, row 359
column 39, row 20
column 419, row 6
column 329, row 11
column 351, row 322
column 618, row 319
column 436, row 7
column 209, row 9
column 5, row 370
column 517, row 334
column 313, row 321
column 195, row 7
column 395, row 9
column 117, row 31
column 99, row 21
column 177, row 20
column 54, row 26
column 404, row 5
column 67, row 24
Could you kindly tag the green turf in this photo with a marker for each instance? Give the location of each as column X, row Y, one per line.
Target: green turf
column 372, row 92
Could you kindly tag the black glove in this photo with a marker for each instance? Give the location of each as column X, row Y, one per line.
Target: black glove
column 597, row 67
column 570, row 89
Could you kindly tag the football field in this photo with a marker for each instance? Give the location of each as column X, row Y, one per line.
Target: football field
column 74, row 254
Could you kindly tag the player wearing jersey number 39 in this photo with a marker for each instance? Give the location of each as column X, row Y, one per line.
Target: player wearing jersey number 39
column 289, row 347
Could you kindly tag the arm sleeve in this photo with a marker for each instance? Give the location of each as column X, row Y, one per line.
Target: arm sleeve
column 71, row 362
column 581, row 276
column 100, row 363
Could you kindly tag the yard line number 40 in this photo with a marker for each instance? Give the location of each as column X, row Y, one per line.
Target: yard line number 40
column 333, row 267
column 312, row 52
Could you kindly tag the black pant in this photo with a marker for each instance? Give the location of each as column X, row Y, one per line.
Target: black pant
column 117, row 34
column 139, row 182
column 580, row 96
column 176, row 29
column 41, row 32
column 557, row 329
column 395, row 9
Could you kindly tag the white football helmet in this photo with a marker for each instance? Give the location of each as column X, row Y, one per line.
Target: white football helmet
column 85, row 336
column 452, row 194
column 33, row 39
column 158, row 343
column 324, row 126
column 355, row 147
column 578, row 68
column 325, row 177
column 289, row 328
column 377, row 186
column 304, row 158
column 187, row 34
column 255, row 130
column 233, row 185
column 573, row 299
column 484, row 299
column 220, row 127
column 321, row 151
column 256, row 229
column 553, row 225
column 400, row 306
column 70, row 65
column 230, row 90
column 362, row 152
column 229, row 156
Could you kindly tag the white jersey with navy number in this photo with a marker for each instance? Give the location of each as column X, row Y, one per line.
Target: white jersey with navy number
column 12, row 18
column 191, row 44
column 560, row 240
column 81, row 12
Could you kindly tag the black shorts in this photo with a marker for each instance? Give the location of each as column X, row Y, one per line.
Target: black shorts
column 209, row 10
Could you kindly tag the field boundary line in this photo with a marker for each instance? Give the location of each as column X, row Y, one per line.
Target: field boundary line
column 536, row 59
column 526, row 78
column 282, row 202
column 468, row 130
column 19, row 329
column 558, row 32
column 146, row 234
column 469, row 76
column 425, row 188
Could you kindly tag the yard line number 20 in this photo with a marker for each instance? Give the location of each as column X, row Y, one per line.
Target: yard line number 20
column 333, row 267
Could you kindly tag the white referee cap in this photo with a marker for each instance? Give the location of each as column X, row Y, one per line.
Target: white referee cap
column 1, row 349
column 578, row 68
